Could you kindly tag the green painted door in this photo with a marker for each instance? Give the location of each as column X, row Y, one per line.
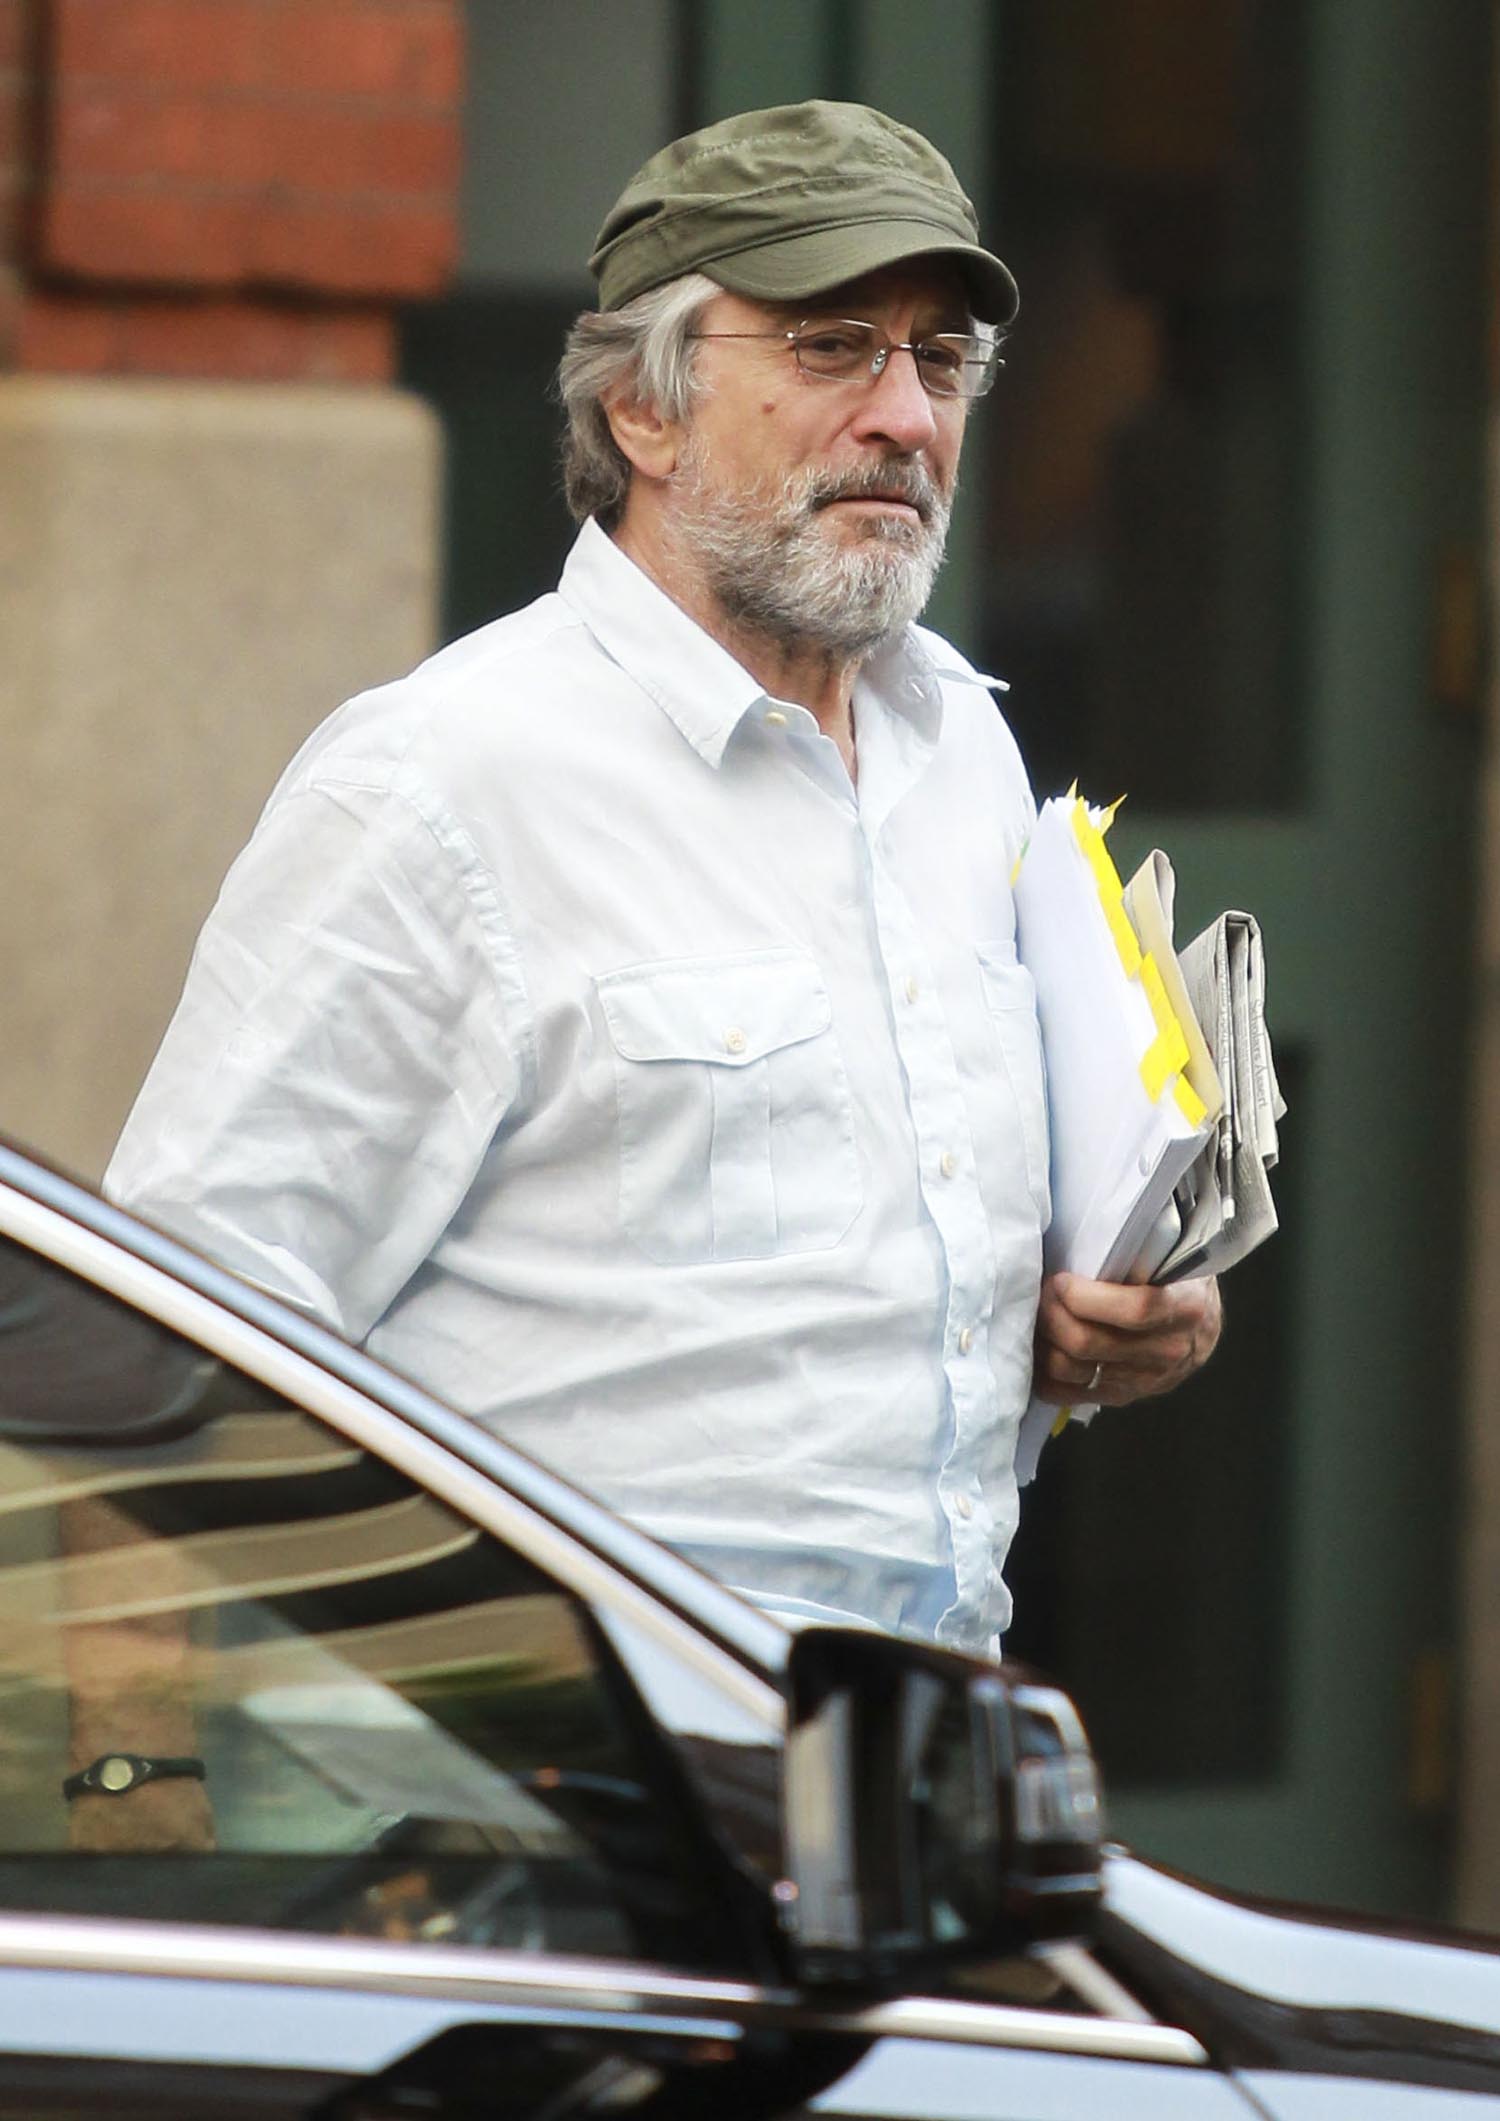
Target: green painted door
column 1344, row 1515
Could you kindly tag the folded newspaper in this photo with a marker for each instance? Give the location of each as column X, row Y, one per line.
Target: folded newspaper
column 1161, row 1087
column 1221, row 1208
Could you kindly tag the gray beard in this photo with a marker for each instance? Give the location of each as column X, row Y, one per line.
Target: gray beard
column 768, row 566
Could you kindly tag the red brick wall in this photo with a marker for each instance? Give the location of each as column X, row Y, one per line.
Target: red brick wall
column 15, row 97
column 234, row 187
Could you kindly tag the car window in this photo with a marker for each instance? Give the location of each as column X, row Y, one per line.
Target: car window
column 360, row 1714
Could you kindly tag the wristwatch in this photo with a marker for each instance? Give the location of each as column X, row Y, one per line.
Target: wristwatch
column 116, row 1774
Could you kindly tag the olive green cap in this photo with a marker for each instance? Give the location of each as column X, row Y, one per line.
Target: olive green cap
column 783, row 204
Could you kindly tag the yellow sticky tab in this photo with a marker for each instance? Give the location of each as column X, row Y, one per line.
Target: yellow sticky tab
column 1127, row 942
column 1165, row 1057
column 1189, row 1103
column 1168, row 1053
column 1107, row 883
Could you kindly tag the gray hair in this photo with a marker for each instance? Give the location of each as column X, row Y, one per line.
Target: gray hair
column 645, row 347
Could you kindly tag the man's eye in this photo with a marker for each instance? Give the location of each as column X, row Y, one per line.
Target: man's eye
column 831, row 346
column 940, row 358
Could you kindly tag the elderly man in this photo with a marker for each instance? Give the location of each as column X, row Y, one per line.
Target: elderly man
column 617, row 1023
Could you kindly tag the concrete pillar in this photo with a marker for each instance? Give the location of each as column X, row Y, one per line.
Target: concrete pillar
column 191, row 576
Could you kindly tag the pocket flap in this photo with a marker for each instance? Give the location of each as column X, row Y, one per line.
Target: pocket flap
column 728, row 1010
column 1007, row 983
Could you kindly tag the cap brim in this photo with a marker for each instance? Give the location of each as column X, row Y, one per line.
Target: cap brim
column 795, row 268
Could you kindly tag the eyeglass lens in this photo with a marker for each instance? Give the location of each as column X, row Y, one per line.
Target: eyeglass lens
column 950, row 364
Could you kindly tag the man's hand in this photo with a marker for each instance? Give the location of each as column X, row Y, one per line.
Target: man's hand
column 1099, row 1342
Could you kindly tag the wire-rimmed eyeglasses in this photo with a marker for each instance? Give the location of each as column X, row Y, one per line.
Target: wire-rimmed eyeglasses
column 951, row 364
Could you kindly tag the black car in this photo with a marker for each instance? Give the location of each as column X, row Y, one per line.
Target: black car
column 352, row 1765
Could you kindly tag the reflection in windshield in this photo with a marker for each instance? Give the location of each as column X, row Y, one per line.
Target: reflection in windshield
column 393, row 1725
column 76, row 1363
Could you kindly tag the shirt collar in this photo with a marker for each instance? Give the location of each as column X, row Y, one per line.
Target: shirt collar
column 695, row 682
column 698, row 684
column 945, row 662
column 909, row 672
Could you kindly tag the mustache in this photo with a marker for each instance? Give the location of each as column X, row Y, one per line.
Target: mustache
column 902, row 479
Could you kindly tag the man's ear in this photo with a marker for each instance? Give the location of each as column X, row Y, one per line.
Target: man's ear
column 650, row 443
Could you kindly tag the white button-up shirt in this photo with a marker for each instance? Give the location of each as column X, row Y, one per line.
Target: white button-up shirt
column 573, row 1033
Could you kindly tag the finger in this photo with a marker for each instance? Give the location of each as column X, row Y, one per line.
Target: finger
column 1084, row 1343
column 1079, row 1361
column 1135, row 1364
column 1112, row 1382
column 1133, row 1307
column 1075, row 1377
column 1060, row 1382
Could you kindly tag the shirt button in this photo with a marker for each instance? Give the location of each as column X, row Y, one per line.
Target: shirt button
column 964, row 1506
column 949, row 1163
column 775, row 718
column 966, row 1340
column 912, row 988
column 734, row 1040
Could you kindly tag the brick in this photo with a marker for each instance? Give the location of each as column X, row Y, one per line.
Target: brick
column 57, row 337
column 257, row 342
column 13, row 129
column 204, row 338
column 351, row 152
column 10, row 318
column 146, row 234
column 411, row 50
column 10, row 216
column 163, row 237
column 392, row 250
column 15, row 34
column 172, row 43
column 16, row 135
column 355, row 347
column 199, row 338
column 101, row 132
column 407, row 50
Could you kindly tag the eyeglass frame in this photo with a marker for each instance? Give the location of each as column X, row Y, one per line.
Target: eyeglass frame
column 880, row 358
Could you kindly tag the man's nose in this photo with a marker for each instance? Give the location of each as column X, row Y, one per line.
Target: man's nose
column 895, row 406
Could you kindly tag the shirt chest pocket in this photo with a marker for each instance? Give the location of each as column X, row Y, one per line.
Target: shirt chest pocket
column 1011, row 995
column 736, row 1131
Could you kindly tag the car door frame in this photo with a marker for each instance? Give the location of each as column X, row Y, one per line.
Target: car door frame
column 733, row 1649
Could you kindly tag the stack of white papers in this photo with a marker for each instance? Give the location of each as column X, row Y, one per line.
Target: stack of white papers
column 1162, row 1097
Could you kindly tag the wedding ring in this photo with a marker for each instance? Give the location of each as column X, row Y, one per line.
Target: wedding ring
column 1093, row 1383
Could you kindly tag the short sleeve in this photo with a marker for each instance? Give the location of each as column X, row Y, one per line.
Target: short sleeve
column 351, row 1034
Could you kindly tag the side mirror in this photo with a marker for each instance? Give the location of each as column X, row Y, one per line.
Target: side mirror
column 936, row 1809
